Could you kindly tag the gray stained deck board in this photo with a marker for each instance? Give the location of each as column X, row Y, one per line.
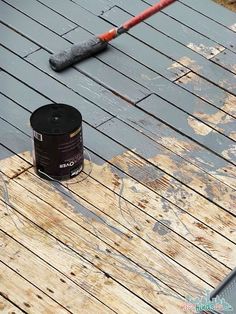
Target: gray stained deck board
column 40, row 13
column 98, row 7
column 117, row 149
column 51, row 88
column 188, row 126
column 226, row 59
column 159, row 85
column 172, row 49
column 212, row 94
column 159, row 132
column 13, row 41
column 174, row 29
column 96, row 25
column 214, row 11
column 40, row 59
column 106, row 75
column 31, row 29
column 201, row 24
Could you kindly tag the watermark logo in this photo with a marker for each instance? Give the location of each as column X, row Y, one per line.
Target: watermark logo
column 205, row 303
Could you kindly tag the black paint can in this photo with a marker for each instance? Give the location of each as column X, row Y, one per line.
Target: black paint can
column 58, row 141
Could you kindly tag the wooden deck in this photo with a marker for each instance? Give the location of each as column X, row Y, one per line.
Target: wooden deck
column 152, row 220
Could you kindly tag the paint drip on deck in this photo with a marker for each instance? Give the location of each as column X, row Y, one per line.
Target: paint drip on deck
column 58, row 141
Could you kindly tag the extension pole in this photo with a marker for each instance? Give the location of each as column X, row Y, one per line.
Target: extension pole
column 83, row 50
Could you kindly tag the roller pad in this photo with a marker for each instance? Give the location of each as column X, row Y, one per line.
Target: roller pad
column 78, row 52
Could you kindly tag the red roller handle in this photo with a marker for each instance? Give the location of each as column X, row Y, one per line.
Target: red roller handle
column 147, row 13
column 135, row 20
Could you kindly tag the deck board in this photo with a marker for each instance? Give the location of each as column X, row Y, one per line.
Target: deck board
column 151, row 219
column 213, row 11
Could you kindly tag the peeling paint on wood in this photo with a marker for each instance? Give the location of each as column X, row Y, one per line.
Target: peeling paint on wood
column 207, row 52
column 213, row 94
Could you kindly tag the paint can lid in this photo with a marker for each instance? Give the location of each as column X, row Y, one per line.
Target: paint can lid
column 55, row 119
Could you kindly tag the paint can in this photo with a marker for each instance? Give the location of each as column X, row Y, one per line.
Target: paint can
column 58, row 141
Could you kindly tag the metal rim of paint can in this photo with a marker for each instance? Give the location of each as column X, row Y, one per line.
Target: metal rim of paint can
column 58, row 141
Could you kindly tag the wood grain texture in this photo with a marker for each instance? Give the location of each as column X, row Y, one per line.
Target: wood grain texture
column 24, row 294
column 7, row 307
column 89, row 276
column 94, row 250
column 50, row 281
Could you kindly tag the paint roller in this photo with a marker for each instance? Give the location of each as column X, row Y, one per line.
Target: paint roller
column 83, row 50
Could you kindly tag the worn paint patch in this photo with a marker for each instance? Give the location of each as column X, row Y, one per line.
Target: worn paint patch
column 233, row 27
column 229, row 105
column 220, row 117
column 199, row 127
column 160, row 227
column 180, row 147
column 206, row 51
column 187, row 62
column 230, row 153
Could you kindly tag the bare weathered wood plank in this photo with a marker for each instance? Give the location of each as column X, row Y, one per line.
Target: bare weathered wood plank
column 80, row 270
column 15, row 41
column 13, row 166
column 135, row 221
column 201, row 24
column 134, row 248
column 159, row 208
column 183, row 55
column 7, row 307
column 213, row 11
column 24, row 294
column 113, row 205
column 226, row 59
column 51, row 282
column 151, row 176
column 42, row 15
